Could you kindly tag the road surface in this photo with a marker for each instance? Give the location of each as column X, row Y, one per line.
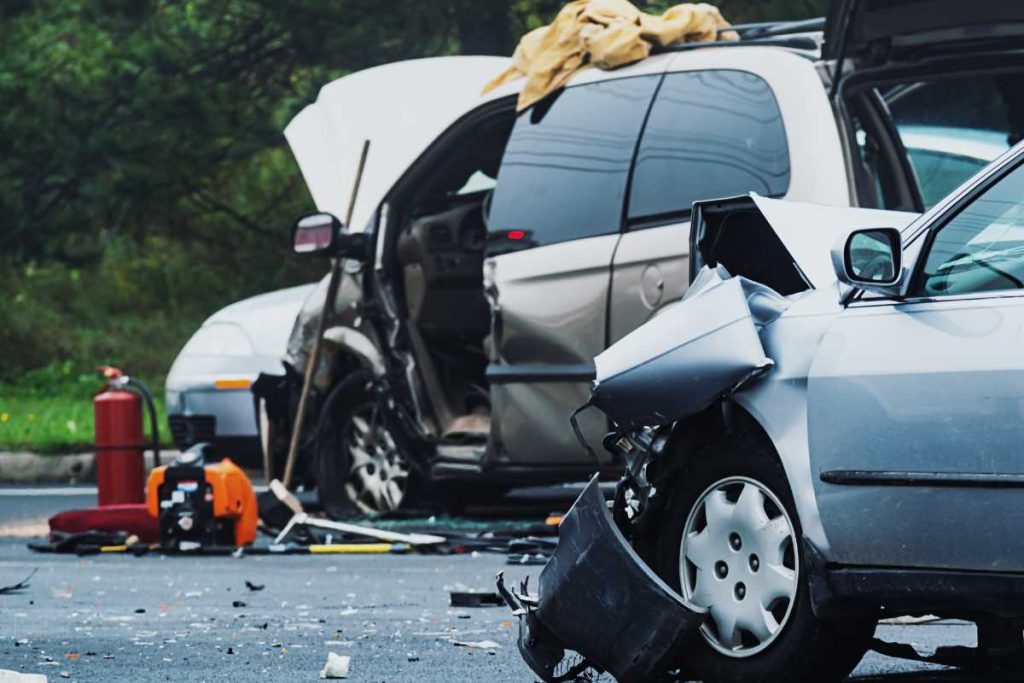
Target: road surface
column 154, row 618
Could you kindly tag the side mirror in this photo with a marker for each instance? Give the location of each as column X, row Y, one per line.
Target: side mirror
column 871, row 259
column 322, row 234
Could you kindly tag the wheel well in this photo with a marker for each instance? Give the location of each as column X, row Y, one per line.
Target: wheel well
column 343, row 363
column 723, row 419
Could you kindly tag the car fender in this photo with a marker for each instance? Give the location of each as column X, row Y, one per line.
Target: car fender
column 778, row 402
column 349, row 340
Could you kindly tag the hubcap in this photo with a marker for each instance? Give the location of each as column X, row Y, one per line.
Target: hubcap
column 738, row 559
column 379, row 476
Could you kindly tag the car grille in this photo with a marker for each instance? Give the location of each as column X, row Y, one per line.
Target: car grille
column 188, row 430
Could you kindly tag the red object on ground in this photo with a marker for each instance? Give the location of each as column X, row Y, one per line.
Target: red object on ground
column 120, row 469
column 131, row 519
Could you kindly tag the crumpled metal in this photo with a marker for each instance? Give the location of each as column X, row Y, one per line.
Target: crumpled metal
column 704, row 347
column 606, row 34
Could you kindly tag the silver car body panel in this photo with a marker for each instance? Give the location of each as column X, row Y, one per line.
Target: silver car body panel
column 921, row 388
column 698, row 344
column 681, row 361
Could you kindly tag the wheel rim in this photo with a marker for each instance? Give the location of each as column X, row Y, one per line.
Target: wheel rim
column 378, row 477
column 738, row 558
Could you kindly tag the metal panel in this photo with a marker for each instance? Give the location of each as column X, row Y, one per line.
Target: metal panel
column 933, row 387
column 549, row 307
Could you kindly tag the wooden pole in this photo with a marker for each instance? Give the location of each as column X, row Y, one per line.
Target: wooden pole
column 314, row 353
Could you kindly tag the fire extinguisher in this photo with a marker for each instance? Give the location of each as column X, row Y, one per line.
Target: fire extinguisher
column 120, row 465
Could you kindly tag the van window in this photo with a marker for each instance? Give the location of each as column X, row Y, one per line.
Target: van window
column 566, row 166
column 710, row 134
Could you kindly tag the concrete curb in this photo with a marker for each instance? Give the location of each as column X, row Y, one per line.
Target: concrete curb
column 32, row 468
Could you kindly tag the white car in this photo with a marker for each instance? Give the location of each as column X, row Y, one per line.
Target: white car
column 208, row 397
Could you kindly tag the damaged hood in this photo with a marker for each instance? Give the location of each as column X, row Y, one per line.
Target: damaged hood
column 808, row 231
column 400, row 108
column 683, row 360
column 756, row 257
column 783, row 245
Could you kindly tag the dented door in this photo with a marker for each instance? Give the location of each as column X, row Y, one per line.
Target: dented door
column 548, row 312
column 553, row 227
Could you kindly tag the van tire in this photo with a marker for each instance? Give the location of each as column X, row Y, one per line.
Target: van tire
column 350, row 407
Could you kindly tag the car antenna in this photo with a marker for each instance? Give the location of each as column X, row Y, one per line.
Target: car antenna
column 314, row 353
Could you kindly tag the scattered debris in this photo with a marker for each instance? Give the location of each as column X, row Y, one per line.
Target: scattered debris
column 477, row 645
column 475, row 599
column 238, row 603
column 303, row 520
column 254, row 586
column 63, row 592
column 336, row 666
column 527, row 560
column 21, row 585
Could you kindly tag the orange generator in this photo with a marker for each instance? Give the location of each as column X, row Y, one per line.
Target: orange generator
column 202, row 506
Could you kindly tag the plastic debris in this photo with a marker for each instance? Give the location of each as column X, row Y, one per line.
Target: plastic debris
column 21, row 585
column 475, row 599
column 477, row 645
column 254, row 586
column 336, row 666
column 8, row 676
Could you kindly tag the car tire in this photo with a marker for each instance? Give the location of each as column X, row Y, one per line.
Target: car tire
column 802, row 647
column 361, row 469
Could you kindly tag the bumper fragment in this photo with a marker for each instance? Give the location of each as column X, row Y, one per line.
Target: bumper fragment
column 599, row 599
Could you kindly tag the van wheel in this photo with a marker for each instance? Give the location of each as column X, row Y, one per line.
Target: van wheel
column 730, row 543
column 360, row 468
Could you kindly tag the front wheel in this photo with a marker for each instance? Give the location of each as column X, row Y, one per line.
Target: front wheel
column 360, row 468
column 731, row 543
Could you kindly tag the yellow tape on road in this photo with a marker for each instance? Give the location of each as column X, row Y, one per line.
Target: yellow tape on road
column 358, row 548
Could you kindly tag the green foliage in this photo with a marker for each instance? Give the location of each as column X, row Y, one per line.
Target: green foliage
column 49, row 410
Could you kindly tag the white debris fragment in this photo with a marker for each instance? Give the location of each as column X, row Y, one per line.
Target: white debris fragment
column 478, row 644
column 7, row 676
column 336, row 666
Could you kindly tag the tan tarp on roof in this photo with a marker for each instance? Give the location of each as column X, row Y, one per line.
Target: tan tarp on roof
column 606, row 34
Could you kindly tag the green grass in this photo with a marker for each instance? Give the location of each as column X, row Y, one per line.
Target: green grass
column 50, row 411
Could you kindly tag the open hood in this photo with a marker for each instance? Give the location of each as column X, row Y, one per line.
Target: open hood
column 885, row 30
column 400, row 108
column 780, row 244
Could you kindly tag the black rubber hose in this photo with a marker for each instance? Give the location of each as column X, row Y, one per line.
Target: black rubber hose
column 154, row 430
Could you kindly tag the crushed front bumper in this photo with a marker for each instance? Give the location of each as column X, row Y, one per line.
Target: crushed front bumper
column 597, row 598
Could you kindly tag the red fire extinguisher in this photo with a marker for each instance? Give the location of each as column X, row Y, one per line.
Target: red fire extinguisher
column 120, row 465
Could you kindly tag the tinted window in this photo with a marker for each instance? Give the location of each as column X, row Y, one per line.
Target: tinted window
column 566, row 165
column 982, row 248
column 711, row 134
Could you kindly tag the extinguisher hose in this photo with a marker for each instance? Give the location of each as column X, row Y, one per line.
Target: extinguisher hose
column 154, row 431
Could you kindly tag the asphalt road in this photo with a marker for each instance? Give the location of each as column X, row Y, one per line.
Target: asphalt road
column 154, row 618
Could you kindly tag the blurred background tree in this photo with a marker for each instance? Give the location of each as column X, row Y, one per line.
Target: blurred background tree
column 144, row 178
